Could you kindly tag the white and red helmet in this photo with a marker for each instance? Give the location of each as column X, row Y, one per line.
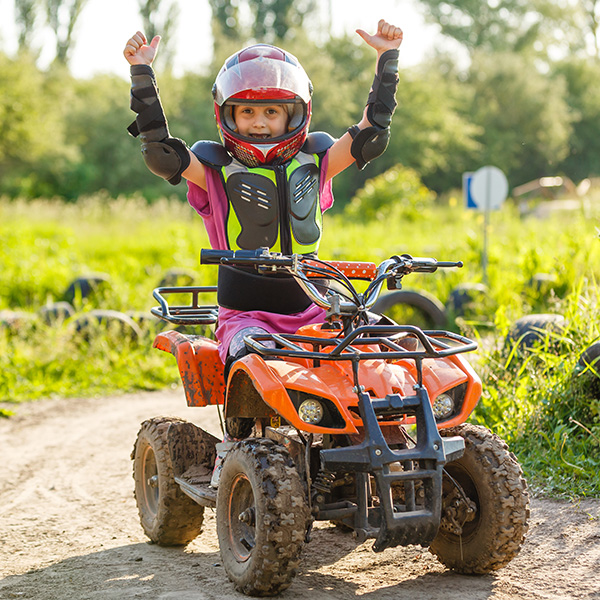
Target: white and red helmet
column 262, row 74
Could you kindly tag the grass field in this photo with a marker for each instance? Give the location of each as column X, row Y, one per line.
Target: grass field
column 550, row 417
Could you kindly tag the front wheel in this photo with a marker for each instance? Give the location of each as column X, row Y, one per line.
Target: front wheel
column 485, row 504
column 262, row 517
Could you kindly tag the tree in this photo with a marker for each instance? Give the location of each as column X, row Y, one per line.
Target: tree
column 506, row 25
column 590, row 10
column 271, row 20
column 151, row 12
column 62, row 16
column 582, row 77
column 524, row 117
column 33, row 142
column 278, row 19
column 225, row 19
column 25, row 14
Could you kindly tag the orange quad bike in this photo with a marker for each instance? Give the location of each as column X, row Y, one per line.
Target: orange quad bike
column 355, row 420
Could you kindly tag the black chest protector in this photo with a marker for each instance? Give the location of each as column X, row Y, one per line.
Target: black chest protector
column 275, row 207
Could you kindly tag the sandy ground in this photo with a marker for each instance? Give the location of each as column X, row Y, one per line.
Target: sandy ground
column 69, row 528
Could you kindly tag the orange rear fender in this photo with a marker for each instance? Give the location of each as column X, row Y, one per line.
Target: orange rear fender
column 200, row 367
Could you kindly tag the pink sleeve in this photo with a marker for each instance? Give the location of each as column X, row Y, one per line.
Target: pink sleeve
column 198, row 199
column 326, row 199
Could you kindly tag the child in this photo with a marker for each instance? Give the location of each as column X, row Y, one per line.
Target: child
column 269, row 182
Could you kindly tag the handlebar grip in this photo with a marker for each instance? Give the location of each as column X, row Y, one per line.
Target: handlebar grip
column 215, row 257
column 428, row 265
column 459, row 264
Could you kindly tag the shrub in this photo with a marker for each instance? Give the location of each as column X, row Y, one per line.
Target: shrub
column 398, row 192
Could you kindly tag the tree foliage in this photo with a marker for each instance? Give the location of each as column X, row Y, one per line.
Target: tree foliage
column 582, row 79
column 62, row 16
column 523, row 116
column 33, row 141
column 160, row 19
column 508, row 25
column 397, row 194
column 65, row 137
column 25, row 14
column 270, row 20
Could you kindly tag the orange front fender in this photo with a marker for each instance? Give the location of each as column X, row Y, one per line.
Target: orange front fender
column 269, row 381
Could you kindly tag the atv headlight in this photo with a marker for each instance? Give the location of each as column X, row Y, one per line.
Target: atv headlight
column 311, row 411
column 443, row 407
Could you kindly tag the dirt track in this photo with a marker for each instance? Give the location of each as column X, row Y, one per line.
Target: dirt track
column 69, row 528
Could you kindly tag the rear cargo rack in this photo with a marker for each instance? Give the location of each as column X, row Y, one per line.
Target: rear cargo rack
column 192, row 314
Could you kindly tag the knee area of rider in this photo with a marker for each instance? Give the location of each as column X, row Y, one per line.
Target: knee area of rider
column 231, row 358
column 168, row 158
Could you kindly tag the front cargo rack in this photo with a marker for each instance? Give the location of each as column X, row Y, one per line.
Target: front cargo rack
column 389, row 338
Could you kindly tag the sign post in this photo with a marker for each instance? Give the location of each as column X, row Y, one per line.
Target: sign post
column 487, row 190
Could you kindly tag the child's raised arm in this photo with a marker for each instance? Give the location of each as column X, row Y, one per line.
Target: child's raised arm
column 369, row 139
column 165, row 156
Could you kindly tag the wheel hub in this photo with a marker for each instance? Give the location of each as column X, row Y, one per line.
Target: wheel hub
column 248, row 516
column 150, row 477
column 242, row 518
column 458, row 509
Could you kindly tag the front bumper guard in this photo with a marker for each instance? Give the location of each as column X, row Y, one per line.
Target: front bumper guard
column 415, row 521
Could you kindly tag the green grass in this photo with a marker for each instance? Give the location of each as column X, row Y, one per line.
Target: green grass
column 47, row 245
column 547, row 407
column 548, row 413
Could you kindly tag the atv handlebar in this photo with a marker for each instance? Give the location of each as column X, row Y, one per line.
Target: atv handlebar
column 242, row 258
column 303, row 268
column 263, row 258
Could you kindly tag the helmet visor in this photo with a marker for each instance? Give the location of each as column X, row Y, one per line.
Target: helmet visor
column 262, row 78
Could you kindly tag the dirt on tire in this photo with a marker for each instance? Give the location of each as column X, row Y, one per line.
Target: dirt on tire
column 491, row 479
column 261, row 554
column 167, row 515
column 69, row 526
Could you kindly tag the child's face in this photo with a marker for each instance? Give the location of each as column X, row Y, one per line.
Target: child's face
column 261, row 121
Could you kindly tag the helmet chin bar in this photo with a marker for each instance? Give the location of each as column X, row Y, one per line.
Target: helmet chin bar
column 254, row 152
column 264, row 148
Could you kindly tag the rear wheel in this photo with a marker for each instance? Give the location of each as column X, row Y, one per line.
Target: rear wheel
column 485, row 505
column 167, row 515
column 262, row 517
column 409, row 307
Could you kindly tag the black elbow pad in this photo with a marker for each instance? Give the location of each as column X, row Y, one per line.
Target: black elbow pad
column 371, row 142
column 167, row 159
column 368, row 143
